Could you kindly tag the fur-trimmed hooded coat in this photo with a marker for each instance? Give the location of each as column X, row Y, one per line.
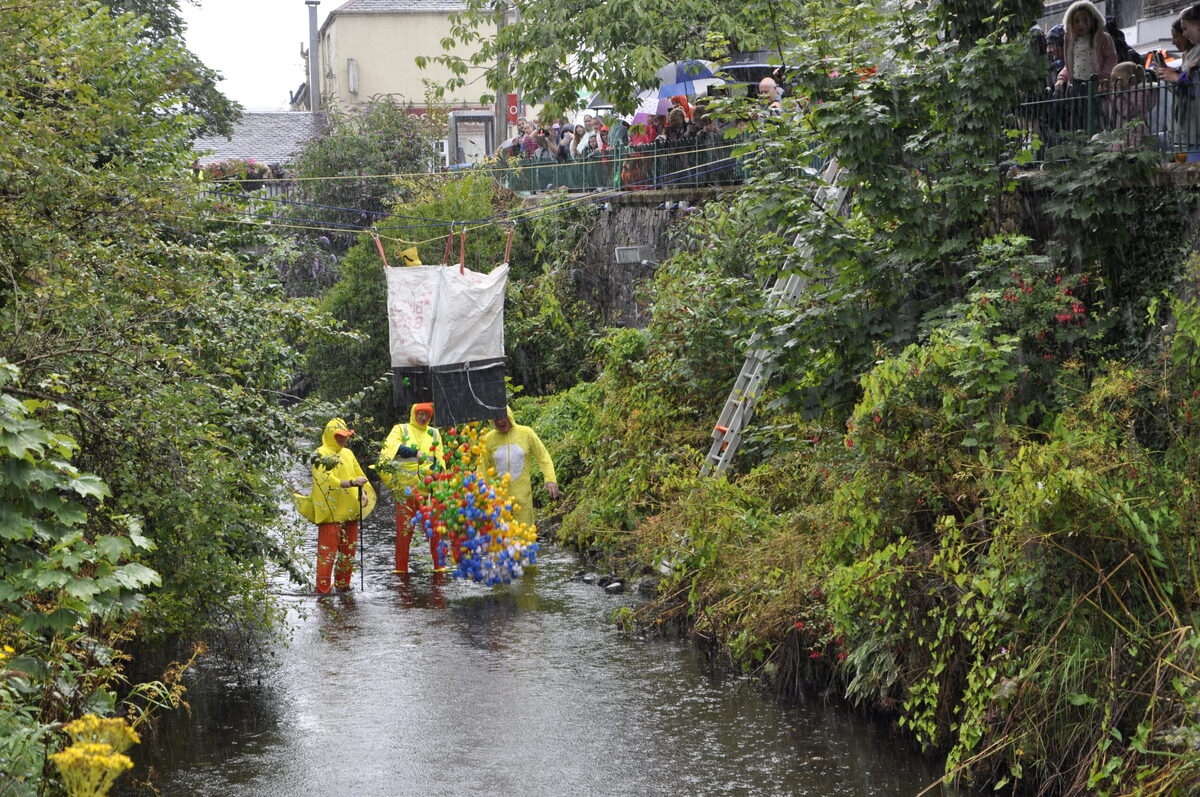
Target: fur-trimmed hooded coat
column 1103, row 47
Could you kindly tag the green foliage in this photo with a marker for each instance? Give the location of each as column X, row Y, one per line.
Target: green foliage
column 428, row 210
column 172, row 353
column 68, row 576
column 551, row 52
column 351, row 175
column 547, row 329
column 997, row 543
column 1089, row 230
column 142, row 445
column 54, row 576
column 161, row 21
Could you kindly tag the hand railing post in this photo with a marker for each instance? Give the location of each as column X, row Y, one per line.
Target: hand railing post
column 1093, row 106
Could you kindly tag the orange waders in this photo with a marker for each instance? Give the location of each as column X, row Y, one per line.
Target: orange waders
column 406, row 510
column 335, row 541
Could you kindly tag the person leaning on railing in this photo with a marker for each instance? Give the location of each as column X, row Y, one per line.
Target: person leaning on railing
column 1055, row 38
column 1128, row 104
column 1185, row 117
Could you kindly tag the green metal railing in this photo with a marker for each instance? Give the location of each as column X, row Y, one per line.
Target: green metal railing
column 1150, row 115
column 684, row 164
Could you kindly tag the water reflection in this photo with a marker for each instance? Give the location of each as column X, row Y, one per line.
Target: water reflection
column 421, row 592
column 425, row 685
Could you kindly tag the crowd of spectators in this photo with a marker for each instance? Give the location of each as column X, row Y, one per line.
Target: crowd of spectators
column 1093, row 80
column 561, row 142
column 685, row 124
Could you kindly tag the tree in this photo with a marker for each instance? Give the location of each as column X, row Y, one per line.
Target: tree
column 172, row 350
column 347, row 178
column 550, row 52
column 201, row 96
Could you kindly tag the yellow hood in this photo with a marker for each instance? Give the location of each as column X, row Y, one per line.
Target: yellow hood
column 327, row 439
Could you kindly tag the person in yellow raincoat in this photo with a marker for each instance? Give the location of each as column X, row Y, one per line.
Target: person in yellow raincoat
column 340, row 496
column 506, row 450
column 415, row 451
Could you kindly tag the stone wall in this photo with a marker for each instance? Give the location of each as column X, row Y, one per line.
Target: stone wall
column 638, row 218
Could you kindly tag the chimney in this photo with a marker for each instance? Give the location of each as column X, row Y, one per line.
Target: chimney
column 314, row 58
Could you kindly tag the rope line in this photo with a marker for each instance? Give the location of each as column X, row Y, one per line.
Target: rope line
column 455, row 173
column 286, row 201
column 288, row 222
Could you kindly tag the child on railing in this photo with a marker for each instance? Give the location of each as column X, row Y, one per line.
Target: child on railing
column 1089, row 49
column 1130, row 100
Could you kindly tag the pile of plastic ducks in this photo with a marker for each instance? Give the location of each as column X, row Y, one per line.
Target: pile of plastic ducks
column 472, row 515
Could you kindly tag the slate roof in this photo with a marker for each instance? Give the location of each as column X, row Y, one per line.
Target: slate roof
column 397, row 6
column 264, row 137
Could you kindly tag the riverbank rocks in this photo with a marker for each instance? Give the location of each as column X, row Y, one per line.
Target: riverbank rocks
column 646, row 586
column 610, row 583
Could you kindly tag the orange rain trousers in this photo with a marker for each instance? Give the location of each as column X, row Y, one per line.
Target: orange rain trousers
column 406, row 510
column 336, row 541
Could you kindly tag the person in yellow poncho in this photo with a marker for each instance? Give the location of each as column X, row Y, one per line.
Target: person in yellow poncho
column 338, row 487
column 415, row 451
column 506, row 450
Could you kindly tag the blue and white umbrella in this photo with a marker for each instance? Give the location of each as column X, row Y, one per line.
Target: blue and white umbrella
column 657, row 102
column 684, row 72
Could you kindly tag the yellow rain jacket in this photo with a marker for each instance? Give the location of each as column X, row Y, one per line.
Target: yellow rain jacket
column 413, row 470
column 509, row 453
column 329, row 502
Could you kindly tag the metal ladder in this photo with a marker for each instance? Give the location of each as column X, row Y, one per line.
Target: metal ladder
column 831, row 197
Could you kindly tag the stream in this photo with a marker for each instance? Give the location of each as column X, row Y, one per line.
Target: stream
column 426, row 685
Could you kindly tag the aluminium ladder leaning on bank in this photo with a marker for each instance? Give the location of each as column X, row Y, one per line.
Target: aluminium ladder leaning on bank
column 832, row 197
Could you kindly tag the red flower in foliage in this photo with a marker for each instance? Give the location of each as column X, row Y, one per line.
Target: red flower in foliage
column 798, row 625
column 814, row 655
column 841, row 655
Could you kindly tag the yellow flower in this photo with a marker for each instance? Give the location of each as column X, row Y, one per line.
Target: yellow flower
column 112, row 731
column 89, row 769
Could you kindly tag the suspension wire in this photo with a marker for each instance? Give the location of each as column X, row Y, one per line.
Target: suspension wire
column 285, row 201
column 447, row 173
column 442, row 222
column 315, row 225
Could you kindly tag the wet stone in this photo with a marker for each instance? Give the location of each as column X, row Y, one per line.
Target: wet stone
column 646, row 585
column 614, row 587
column 591, row 578
column 604, row 581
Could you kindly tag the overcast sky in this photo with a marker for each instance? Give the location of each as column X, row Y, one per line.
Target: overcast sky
column 254, row 44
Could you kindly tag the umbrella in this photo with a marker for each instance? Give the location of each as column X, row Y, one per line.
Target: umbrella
column 684, row 72
column 596, row 101
column 657, row 102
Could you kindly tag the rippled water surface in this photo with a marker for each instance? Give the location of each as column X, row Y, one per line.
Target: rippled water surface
column 430, row 686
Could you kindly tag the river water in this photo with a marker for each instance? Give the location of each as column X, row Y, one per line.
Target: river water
column 425, row 685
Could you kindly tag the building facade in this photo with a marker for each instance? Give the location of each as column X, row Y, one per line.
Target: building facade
column 368, row 49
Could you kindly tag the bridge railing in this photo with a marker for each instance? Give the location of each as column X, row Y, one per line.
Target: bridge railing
column 1150, row 115
column 683, row 164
